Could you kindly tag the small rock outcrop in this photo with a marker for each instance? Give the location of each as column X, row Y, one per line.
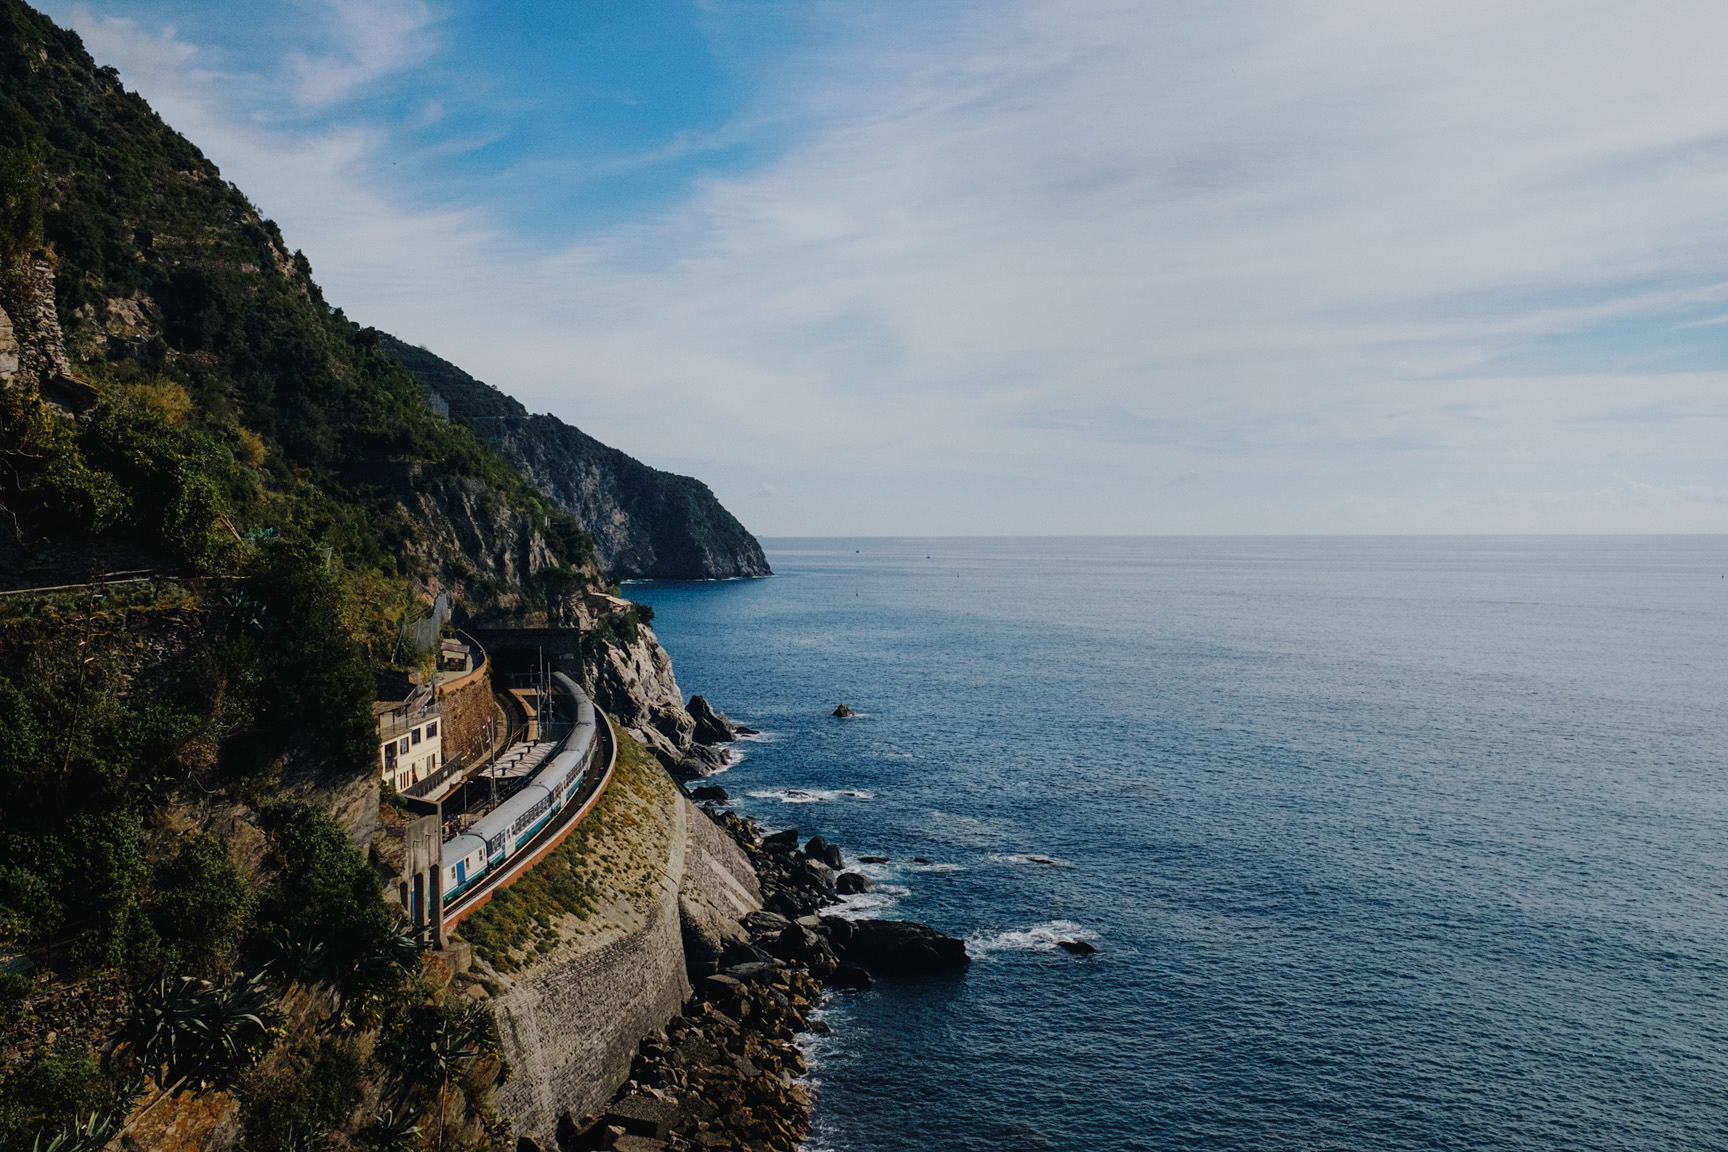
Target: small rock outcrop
column 1078, row 947
column 711, row 792
column 905, row 949
column 829, row 854
column 712, row 727
column 785, row 840
column 844, row 712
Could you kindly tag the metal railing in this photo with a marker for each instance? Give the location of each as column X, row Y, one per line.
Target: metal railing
column 451, row 767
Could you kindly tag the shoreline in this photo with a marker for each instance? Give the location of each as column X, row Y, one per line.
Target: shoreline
column 726, row 1072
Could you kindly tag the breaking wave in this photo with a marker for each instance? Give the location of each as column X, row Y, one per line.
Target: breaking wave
column 1038, row 938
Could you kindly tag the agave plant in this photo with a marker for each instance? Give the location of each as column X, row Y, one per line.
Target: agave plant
column 303, row 1140
column 193, row 1028
column 87, row 1134
column 375, row 971
column 290, row 957
column 391, row 1130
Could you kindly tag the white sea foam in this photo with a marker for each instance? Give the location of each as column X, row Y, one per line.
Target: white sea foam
column 867, row 905
column 1028, row 858
column 1038, row 938
column 812, row 795
column 937, row 867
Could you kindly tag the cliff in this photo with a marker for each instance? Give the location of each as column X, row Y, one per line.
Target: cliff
column 645, row 523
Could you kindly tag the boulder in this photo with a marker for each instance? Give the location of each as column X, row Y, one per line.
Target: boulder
column 700, row 760
column 852, row 883
column 792, row 904
column 843, row 712
column 722, row 989
column 815, row 874
column 736, row 954
column 905, row 949
column 1078, row 947
column 829, row 854
column 765, row 921
column 712, row 727
column 711, row 792
column 786, row 841
column 849, row 975
column 758, row 972
column 800, row 944
column 839, row 929
column 872, row 859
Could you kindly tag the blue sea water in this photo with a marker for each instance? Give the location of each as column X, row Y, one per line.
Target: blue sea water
column 1385, row 843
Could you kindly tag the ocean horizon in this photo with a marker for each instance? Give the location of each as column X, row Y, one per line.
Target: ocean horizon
column 1384, row 842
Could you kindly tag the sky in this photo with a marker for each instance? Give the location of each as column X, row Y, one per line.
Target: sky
column 1025, row 266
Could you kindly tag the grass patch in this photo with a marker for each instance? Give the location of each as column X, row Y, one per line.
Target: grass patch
column 520, row 922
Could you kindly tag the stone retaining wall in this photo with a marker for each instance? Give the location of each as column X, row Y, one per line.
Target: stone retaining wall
column 571, row 1022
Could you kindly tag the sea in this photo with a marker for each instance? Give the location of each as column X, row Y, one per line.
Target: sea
column 1383, row 843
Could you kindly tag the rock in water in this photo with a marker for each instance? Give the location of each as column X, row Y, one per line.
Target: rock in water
column 815, row 873
column 902, row 948
column 1078, row 947
column 852, row 883
column 786, row 841
column 711, row 792
column 712, row 727
column 844, row 712
column 872, row 859
column 829, row 854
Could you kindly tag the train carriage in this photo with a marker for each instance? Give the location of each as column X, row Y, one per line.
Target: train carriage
column 507, row 829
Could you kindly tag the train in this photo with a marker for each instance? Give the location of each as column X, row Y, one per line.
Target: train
column 497, row 836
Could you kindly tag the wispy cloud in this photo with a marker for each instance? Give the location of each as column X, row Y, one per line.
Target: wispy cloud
column 1061, row 252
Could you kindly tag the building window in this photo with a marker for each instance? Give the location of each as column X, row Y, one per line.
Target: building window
column 415, row 735
column 431, row 729
column 402, row 746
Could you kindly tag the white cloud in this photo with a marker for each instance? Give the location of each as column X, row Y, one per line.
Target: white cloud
column 1061, row 252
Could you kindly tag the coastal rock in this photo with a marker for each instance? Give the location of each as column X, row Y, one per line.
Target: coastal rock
column 700, row 760
column 785, row 841
column 829, row 854
column 905, row 949
column 872, row 859
column 852, row 883
column 707, row 933
column 849, row 975
column 711, row 792
column 1078, row 947
column 817, row 874
column 765, row 921
column 753, row 973
column 712, row 727
column 843, row 712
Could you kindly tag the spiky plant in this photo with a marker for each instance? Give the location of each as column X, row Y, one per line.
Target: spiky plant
column 193, row 1029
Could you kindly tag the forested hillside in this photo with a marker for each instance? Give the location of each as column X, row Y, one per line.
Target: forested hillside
column 220, row 501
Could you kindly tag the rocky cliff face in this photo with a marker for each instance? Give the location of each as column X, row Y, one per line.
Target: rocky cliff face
column 645, row 523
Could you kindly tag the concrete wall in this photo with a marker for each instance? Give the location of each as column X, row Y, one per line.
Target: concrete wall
column 571, row 1023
